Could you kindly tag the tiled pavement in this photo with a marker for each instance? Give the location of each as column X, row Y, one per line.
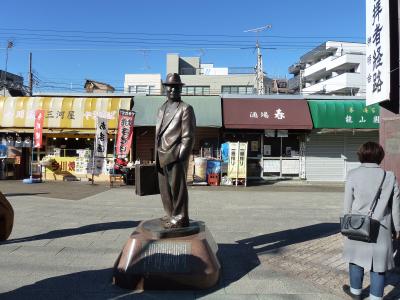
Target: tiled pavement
column 271, row 243
column 320, row 261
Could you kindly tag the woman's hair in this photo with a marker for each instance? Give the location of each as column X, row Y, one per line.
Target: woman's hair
column 370, row 152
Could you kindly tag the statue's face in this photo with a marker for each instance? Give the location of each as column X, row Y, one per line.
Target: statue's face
column 174, row 92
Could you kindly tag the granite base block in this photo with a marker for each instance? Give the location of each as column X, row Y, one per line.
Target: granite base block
column 155, row 258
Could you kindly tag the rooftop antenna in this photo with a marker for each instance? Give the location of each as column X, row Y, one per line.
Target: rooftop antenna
column 259, row 67
column 145, row 59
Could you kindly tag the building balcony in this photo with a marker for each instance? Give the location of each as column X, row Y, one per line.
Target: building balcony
column 317, row 68
column 344, row 84
column 345, row 62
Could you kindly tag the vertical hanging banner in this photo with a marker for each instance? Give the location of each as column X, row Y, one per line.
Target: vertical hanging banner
column 125, row 132
column 378, row 54
column 38, row 128
column 100, row 145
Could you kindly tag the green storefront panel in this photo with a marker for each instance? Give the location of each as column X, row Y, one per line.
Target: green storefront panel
column 206, row 108
column 344, row 114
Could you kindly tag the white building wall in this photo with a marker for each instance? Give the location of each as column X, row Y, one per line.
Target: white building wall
column 217, row 81
column 150, row 80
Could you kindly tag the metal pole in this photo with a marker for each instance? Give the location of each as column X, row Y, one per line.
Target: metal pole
column 259, row 68
column 30, row 74
column 280, row 167
column 31, row 164
column 260, row 73
column 4, row 81
column 114, row 148
column 237, row 162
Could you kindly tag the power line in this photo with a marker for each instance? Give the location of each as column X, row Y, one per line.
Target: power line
column 175, row 34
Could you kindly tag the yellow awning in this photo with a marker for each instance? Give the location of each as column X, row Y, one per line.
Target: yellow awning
column 60, row 112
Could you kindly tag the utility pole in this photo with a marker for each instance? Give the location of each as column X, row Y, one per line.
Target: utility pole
column 259, row 68
column 30, row 74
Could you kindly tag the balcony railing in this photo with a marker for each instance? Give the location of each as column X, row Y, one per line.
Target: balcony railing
column 337, row 83
column 231, row 70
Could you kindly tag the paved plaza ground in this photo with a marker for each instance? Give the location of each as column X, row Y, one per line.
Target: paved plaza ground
column 276, row 241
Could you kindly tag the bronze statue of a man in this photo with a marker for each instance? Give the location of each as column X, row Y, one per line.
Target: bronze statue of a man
column 175, row 128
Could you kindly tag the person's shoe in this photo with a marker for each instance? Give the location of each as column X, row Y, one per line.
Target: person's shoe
column 346, row 289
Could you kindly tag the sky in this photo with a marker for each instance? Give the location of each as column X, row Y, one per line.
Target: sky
column 72, row 41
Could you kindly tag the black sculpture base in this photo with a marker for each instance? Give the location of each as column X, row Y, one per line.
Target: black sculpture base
column 155, row 258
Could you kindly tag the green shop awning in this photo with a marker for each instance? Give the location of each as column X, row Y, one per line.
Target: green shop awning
column 206, row 108
column 344, row 114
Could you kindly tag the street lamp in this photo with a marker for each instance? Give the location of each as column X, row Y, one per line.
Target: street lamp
column 10, row 44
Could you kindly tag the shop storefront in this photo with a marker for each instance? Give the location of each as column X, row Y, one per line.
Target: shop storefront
column 68, row 131
column 275, row 131
column 14, row 154
column 340, row 127
column 208, row 125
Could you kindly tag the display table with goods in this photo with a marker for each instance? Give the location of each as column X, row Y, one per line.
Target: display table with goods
column 77, row 167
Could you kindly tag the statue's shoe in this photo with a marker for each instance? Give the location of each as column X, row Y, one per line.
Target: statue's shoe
column 178, row 224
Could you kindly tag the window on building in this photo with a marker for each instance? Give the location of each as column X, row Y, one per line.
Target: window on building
column 142, row 89
column 237, row 89
column 196, row 90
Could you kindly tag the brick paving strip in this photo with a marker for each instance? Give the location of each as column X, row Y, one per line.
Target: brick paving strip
column 320, row 261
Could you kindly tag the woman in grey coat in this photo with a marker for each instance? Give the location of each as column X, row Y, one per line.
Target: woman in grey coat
column 361, row 187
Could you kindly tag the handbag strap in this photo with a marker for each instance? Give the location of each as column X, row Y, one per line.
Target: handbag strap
column 378, row 194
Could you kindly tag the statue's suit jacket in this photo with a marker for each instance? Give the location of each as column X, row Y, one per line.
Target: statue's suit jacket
column 174, row 134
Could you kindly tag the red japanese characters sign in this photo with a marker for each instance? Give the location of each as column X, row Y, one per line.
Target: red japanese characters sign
column 38, row 128
column 125, row 132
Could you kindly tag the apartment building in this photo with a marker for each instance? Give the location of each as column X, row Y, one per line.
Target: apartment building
column 203, row 79
column 333, row 68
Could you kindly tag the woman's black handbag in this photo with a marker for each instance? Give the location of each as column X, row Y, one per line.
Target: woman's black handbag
column 362, row 227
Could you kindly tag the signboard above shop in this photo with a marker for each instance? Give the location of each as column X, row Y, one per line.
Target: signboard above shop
column 344, row 114
column 60, row 112
column 266, row 114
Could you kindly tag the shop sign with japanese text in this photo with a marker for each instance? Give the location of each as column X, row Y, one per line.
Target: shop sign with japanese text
column 377, row 51
column 125, row 132
column 38, row 128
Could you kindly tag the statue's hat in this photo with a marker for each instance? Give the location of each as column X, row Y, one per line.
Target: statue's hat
column 173, row 79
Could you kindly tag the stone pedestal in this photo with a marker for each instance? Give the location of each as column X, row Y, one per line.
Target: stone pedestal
column 155, row 258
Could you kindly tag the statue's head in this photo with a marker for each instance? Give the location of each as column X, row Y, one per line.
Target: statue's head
column 173, row 85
